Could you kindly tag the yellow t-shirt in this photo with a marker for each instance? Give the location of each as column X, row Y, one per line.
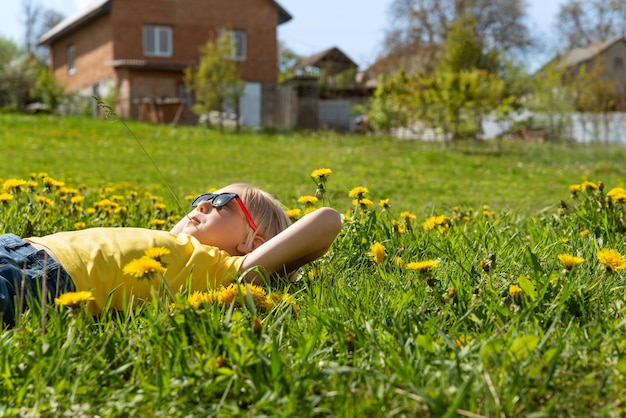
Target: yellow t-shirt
column 95, row 259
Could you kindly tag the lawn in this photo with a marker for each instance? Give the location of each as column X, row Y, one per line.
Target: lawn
column 492, row 284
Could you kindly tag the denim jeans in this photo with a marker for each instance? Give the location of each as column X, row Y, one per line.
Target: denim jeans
column 23, row 272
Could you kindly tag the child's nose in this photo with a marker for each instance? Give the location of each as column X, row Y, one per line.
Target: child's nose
column 203, row 207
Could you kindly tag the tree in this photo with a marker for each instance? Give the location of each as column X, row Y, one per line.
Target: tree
column 8, row 53
column 287, row 59
column 216, row 83
column 416, row 40
column 18, row 78
column 37, row 21
column 49, row 89
column 551, row 99
column 466, row 84
column 581, row 23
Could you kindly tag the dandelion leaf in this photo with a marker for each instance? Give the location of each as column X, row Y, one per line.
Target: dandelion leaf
column 523, row 346
column 528, row 287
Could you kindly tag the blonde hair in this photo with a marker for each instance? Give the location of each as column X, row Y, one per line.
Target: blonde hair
column 266, row 211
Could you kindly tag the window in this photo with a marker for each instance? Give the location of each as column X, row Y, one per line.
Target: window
column 238, row 41
column 71, row 58
column 157, row 41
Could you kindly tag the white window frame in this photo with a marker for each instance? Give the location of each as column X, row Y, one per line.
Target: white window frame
column 161, row 37
column 238, row 39
column 71, row 59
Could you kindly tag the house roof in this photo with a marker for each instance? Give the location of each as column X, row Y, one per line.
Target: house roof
column 329, row 59
column 580, row 55
column 98, row 8
column 95, row 9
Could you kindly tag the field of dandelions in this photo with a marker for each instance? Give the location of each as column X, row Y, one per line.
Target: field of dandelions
column 460, row 311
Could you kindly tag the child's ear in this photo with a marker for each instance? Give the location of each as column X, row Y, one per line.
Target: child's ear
column 245, row 248
column 258, row 240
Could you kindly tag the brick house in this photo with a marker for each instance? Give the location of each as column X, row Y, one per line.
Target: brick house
column 139, row 49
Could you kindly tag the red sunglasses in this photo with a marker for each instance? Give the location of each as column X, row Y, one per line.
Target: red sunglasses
column 219, row 200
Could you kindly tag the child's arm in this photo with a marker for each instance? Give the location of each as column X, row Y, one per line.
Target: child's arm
column 304, row 241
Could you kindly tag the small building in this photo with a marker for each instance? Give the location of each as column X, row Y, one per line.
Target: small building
column 322, row 92
column 608, row 58
column 138, row 50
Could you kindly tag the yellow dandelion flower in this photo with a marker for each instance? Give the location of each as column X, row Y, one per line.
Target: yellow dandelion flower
column 156, row 252
column 441, row 221
column 293, row 213
column 400, row 262
column 422, row 266
column 308, row 200
column 289, row 299
column 160, row 206
column 309, row 210
column 570, row 261
column 106, row 204
column 587, row 185
column 50, row 183
column 574, row 188
column 157, row 222
column 407, row 216
column 74, row 299
column 90, row 211
column 377, row 252
column 565, row 240
column 76, row 200
column 398, row 227
column 231, row 294
column 31, row 185
column 314, row 273
column 13, row 185
column 321, row 173
column 358, row 192
column 5, row 197
column 617, row 194
column 152, row 197
column 515, row 291
column 384, row 203
column 63, row 191
column 272, row 300
column 584, row 233
column 198, row 299
column 44, row 201
column 364, row 202
column 80, row 225
column 613, row 260
column 143, row 268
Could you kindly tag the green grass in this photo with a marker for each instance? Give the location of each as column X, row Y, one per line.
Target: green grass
column 416, row 176
column 498, row 328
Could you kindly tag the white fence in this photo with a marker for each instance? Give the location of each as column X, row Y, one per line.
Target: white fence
column 581, row 127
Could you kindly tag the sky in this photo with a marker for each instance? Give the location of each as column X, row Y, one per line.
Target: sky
column 356, row 27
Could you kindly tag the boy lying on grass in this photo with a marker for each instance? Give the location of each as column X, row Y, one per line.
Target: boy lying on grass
column 226, row 235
